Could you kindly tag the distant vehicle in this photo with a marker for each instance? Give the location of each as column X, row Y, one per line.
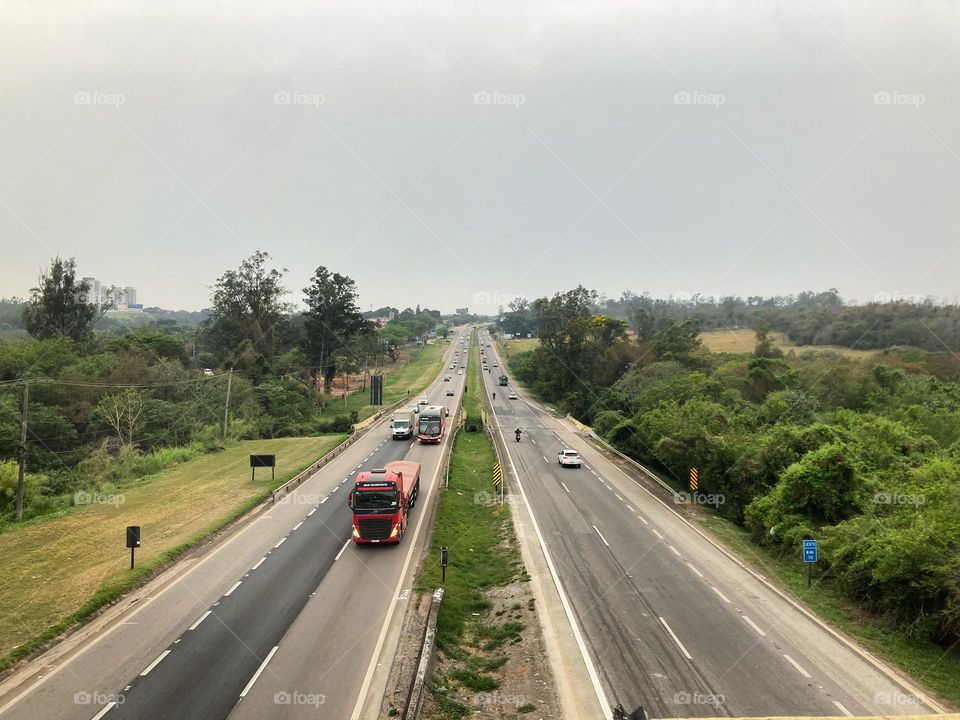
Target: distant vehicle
column 503, row 380
column 415, row 409
column 459, row 372
column 569, row 458
column 449, row 392
column 495, row 365
column 401, row 425
column 207, row 371
column 431, row 424
column 446, row 378
column 381, row 501
column 512, row 396
column 424, row 400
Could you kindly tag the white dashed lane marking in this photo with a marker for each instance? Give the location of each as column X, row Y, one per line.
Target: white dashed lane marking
column 156, row 662
column 235, row 586
column 752, row 624
column 200, row 620
column 601, row 536
column 797, row 666
column 722, row 596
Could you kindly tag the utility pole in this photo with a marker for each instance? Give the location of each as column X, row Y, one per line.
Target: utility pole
column 226, row 405
column 23, row 449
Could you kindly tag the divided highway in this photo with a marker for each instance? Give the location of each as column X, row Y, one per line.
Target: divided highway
column 275, row 620
column 672, row 623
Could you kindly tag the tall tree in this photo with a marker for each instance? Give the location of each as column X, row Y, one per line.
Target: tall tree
column 60, row 306
column 248, row 310
column 332, row 319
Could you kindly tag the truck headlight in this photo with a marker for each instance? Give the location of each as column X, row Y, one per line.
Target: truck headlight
column 395, row 531
column 356, row 533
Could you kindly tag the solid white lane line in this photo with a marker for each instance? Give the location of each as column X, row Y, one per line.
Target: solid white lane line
column 237, row 584
column 281, row 542
column 200, row 620
column 564, row 486
column 156, row 662
column 259, row 562
column 341, row 550
column 674, row 550
column 752, row 624
column 842, row 709
column 797, row 666
column 311, row 512
column 722, row 596
column 655, row 532
column 601, row 536
column 699, row 574
column 259, row 670
column 297, row 526
column 676, row 639
column 642, row 519
column 108, row 706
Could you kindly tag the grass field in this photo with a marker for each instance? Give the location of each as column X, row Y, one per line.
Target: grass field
column 57, row 571
column 522, row 345
column 422, row 368
column 743, row 340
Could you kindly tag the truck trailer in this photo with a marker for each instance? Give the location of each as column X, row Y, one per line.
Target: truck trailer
column 381, row 501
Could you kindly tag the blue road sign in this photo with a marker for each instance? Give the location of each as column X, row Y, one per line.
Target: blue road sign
column 809, row 551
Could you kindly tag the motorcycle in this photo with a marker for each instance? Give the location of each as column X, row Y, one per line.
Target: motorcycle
column 518, row 434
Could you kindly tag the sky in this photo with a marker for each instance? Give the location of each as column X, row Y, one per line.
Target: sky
column 461, row 154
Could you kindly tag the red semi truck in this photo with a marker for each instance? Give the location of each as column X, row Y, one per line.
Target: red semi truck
column 381, row 501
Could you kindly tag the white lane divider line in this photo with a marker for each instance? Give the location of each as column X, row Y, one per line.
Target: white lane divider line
column 564, row 486
column 676, row 639
column 593, row 471
column 297, row 526
column 279, row 543
column 698, row 573
column 311, row 512
column 544, row 458
column 619, row 498
column 325, row 499
column 107, row 708
column 263, row 665
column 630, row 509
column 235, row 586
column 642, row 519
column 259, row 562
column 156, row 662
column 674, row 550
column 722, row 596
column 200, row 620
column 842, row 709
column 752, row 624
column 657, row 533
column 798, row 667
column 533, row 441
column 342, row 550
column 601, row 536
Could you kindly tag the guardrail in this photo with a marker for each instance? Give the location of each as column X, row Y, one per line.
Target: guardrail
column 419, row 685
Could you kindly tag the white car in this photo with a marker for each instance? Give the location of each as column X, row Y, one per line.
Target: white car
column 459, row 372
column 424, row 400
column 446, row 378
column 569, row 458
column 449, row 392
column 512, row 396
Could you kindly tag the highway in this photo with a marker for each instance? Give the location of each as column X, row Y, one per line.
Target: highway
column 669, row 621
column 283, row 617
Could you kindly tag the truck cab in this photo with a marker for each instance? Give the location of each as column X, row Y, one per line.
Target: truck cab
column 381, row 501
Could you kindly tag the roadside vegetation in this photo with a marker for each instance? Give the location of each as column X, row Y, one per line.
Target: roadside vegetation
column 59, row 571
column 484, row 555
column 861, row 453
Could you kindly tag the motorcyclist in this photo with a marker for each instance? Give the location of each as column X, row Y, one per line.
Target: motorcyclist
column 494, row 396
column 518, row 434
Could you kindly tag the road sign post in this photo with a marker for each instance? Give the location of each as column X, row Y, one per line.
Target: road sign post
column 444, row 558
column 498, row 479
column 810, row 555
column 133, row 540
column 269, row 461
column 694, row 479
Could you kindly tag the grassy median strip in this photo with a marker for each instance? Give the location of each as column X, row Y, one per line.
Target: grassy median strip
column 484, row 555
column 61, row 571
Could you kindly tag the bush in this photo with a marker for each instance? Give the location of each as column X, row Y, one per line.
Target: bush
column 605, row 421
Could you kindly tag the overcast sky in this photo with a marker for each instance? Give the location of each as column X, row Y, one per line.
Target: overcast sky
column 462, row 153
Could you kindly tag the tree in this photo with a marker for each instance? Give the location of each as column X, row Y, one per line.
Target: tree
column 443, row 330
column 765, row 347
column 677, row 341
column 124, row 412
column 332, row 319
column 248, row 309
column 60, row 306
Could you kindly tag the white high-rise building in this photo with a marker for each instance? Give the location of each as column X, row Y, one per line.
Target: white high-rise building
column 130, row 295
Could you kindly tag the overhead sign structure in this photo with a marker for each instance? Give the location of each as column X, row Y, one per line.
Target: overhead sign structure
column 269, row 461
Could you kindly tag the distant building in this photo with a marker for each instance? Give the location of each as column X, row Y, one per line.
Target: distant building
column 463, row 311
column 122, row 299
column 130, row 295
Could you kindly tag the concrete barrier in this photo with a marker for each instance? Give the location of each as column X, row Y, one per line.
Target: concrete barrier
column 419, row 688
